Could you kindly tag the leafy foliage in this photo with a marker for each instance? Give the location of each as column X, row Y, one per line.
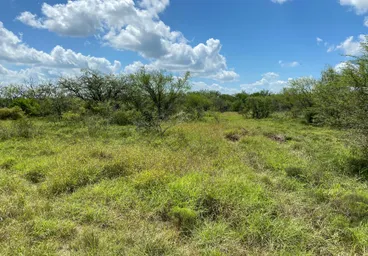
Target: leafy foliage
column 11, row 113
column 258, row 107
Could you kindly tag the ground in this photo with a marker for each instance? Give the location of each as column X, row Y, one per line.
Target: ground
column 223, row 186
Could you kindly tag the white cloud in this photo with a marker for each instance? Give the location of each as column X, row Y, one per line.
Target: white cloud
column 279, row 1
column 126, row 25
column 339, row 67
column 292, row 64
column 225, row 76
column 36, row 74
column 351, row 47
column 13, row 50
column 203, row 60
column 342, row 65
column 30, row 19
column 270, row 81
column 360, row 6
column 319, row 40
column 366, row 21
column 137, row 65
column 330, row 48
column 5, row 71
column 39, row 65
column 198, row 86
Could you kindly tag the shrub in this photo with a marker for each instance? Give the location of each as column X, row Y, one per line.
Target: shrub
column 5, row 132
column 121, row 117
column 24, row 128
column 11, row 113
column 310, row 115
column 259, row 107
column 29, row 106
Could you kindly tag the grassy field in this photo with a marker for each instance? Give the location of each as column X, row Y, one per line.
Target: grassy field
column 230, row 187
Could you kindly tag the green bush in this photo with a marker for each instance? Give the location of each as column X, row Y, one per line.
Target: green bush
column 24, row 128
column 11, row 113
column 258, row 107
column 29, row 106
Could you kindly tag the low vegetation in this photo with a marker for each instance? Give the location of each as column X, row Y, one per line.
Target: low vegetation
column 231, row 187
column 139, row 165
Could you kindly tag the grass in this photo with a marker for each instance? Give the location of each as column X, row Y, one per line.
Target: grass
column 231, row 186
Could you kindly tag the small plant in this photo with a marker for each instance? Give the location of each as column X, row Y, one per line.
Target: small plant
column 24, row 128
column 88, row 241
column 14, row 113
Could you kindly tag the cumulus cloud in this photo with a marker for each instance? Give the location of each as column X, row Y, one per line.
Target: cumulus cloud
column 319, row 40
column 134, row 26
column 269, row 81
column 350, row 46
column 360, row 6
column 225, row 76
column 36, row 74
column 292, row 64
column 14, row 51
column 137, row 65
column 340, row 66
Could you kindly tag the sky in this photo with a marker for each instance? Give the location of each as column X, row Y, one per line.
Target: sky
column 227, row 45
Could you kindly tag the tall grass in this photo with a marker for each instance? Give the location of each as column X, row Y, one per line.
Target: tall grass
column 214, row 187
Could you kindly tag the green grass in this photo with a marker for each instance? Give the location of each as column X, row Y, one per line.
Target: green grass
column 233, row 187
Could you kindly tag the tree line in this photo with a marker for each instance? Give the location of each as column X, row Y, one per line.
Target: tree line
column 338, row 99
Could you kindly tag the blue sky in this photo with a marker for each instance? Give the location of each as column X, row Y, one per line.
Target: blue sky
column 228, row 45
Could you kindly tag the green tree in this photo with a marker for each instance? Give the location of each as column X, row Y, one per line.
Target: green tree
column 258, row 107
column 299, row 96
column 157, row 96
